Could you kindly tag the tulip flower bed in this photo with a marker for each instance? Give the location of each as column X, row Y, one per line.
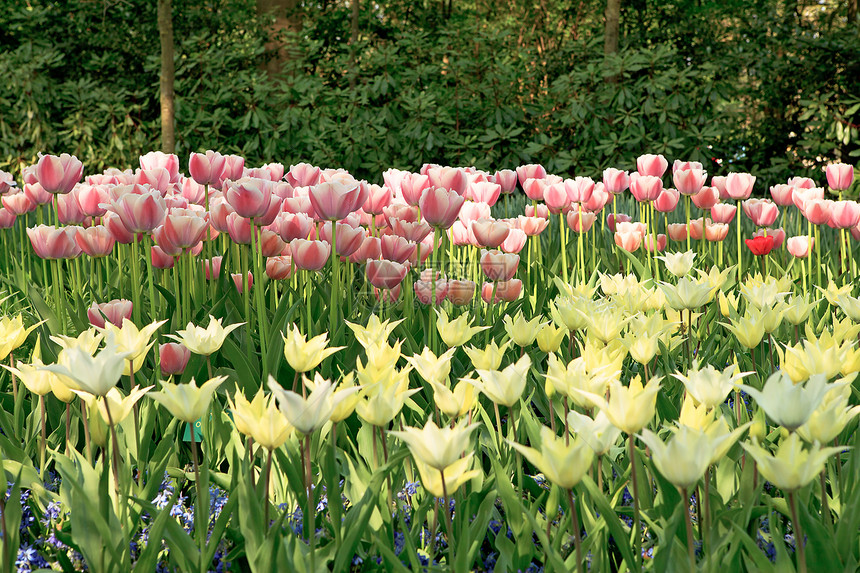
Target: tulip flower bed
column 251, row 370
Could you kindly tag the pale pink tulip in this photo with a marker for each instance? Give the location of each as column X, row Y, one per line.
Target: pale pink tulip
column 515, row 241
column 412, row 231
column 716, row 232
column 723, row 212
column 697, row 229
column 762, row 212
column 667, row 200
column 461, row 292
column 541, row 211
column 679, row 165
column 206, row 168
column 249, row 197
column 240, row 284
column 645, row 188
column 173, row 358
column 535, row 188
column 706, row 198
column 532, row 225
column 651, row 165
column 37, row 194
column 310, row 255
column 440, row 207
column 689, row 181
column 802, row 183
column 303, row 175
column 677, row 231
column 212, row 270
column 628, row 240
column 719, row 181
column 490, row 233
column 531, row 171
column 648, row 242
column 800, row 247
column 579, row 189
column 499, row 266
column 615, row 180
column 385, row 274
column 279, row 268
column 185, row 228
column 845, row 214
column 59, row 174
column 332, row 201
column 113, row 312
column 507, row 180
column 371, row 248
column 158, row 160
column 69, row 211
column 140, row 213
column 613, row 218
column 781, row 194
column 472, row 211
column 739, row 185
column 95, row 241
column 484, row 192
column 162, row 259
column 424, row 291
column 580, row 221
column 7, row 218
column 840, row 176
column 117, row 229
column 18, row 203
column 378, row 199
column 54, row 243
column 294, row 226
column 818, row 211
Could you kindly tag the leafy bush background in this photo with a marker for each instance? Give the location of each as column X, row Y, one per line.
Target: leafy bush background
column 771, row 87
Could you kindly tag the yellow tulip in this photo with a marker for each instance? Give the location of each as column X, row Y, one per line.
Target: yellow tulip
column 599, row 433
column 605, row 322
column 437, row 447
column 614, row 284
column 817, row 356
column 521, row 331
column 679, row 264
column 566, row 380
column 304, row 355
column 608, row 357
column 430, row 367
column 728, row 304
column 566, row 310
column 684, row 458
column 562, row 462
column 629, row 408
column 308, row 414
column 382, row 399
column 788, row 404
column 456, row 402
column 487, row 358
column 375, row 332
column 763, row 295
column 260, row 419
column 456, row 332
column 831, row 416
column 455, row 476
column 688, row 294
column 798, row 308
column 93, row 374
column 13, row 334
column 792, row 467
column 188, row 402
column 833, row 293
column 549, row 338
column 88, row 340
column 710, row 386
column 748, row 329
column 845, row 330
column 505, row 387
column 719, row 279
column 131, row 340
column 204, row 341
column 120, row 406
column 346, row 407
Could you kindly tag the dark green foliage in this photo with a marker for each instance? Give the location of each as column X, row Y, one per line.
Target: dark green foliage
column 758, row 85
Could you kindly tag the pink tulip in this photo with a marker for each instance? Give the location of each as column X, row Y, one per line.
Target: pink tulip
column 490, row 233
column 91, row 198
column 37, row 194
column 249, row 197
column 159, row 160
column 461, row 292
column 801, row 195
column 424, row 291
column 406, row 213
column 679, row 165
column 800, row 247
column 499, row 266
column 69, row 211
column 818, row 211
column 645, row 188
column 240, row 284
column 535, row 189
column 716, row 232
column 651, row 165
column 840, row 176
column 598, row 200
column 113, row 312
column 613, row 218
column 507, row 180
column 580, row 221
column 706, row 198
column 279, row 268
column 484, row 192
column 531, row 171
column 412, row 231
column 719, row 181
column 371, row 248
column 28, row 175
column 762, row 212
column 140, row 213
column 412, row 185
column 385, row 295
column 53, row 243
column 628, row 240
column 472, row 211
column 158, row 179
column 173, row 358
column 162, row 259
column 723, row 212
column 782, row 194
column 449, row 178
column 59, row 174
column 234, row 168
column 540, row 211
column 185, row 228
column 295, row 226
column 7, row 218
column 114, row 224
column 397, row 249
column 739, row 185
column 333, row 201
column 689, row 181
column 532, row 225
column 282, row 190
column 515, row 241
column 7, row 182
column 385, row 274
column 303, row 175
column 667, row 200
column 18, row 203
column 802, row 183
column 378, row 198
column 95, row 241
column 349, row 239
column 648, row 242
column 461, row 235
column 845, row 214
column 239, row 229
column 212, row 270
column 697, row 230
column 206, row 168
column 615, row 180
column 176, row 202
column 777, row 234
column 579, row 189
column 392, row 179
column 509, row 291
column 440, row 207
column 677, row 231
column 310, row 255
column 270, row 244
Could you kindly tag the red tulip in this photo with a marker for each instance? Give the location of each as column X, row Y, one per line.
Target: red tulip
column 760, row 245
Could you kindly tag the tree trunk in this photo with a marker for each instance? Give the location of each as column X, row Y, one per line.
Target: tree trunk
column 285, row 17
column 168, row 112
column 852, row 13
column 353, row 39
column 610, row 38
